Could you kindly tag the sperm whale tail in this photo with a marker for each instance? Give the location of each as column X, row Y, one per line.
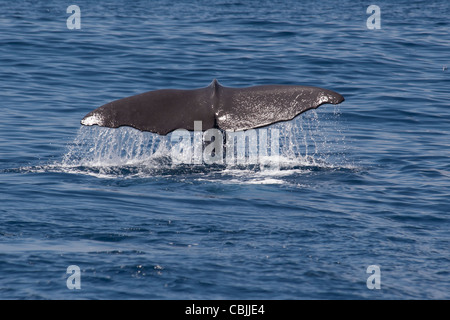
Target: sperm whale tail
column 231, row 109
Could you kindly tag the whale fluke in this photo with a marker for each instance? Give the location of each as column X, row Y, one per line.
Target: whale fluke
column 231, row 109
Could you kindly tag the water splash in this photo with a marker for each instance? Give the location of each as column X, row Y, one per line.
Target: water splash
column 307, row 142
column 313, row 140
column 105, row 147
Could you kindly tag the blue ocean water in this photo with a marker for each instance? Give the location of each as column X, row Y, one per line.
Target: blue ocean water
column 363, row 183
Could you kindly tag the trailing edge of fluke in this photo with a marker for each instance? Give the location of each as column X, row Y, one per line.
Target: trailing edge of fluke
column 230, row 109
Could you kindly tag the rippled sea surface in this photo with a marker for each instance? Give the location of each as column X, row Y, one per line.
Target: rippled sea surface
column 363, row 183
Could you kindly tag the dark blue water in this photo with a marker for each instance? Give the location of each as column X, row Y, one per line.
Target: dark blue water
column 363, row 183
